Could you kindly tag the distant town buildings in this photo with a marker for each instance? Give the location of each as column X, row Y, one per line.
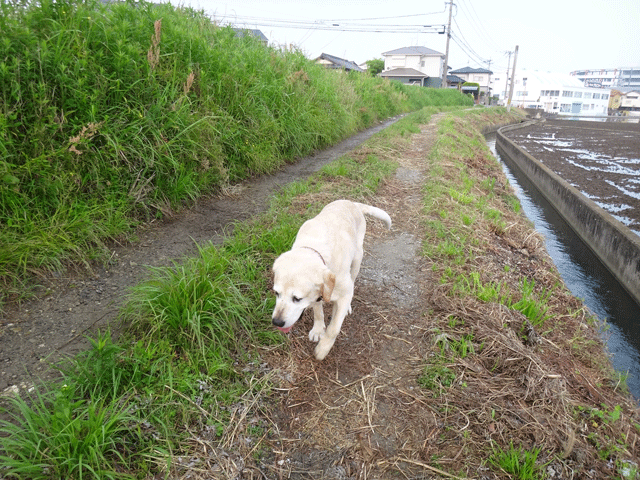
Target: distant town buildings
column 481, row 76
column 626, row 78
column 558, row 93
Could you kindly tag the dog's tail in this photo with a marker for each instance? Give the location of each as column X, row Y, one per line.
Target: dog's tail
column 375, row 212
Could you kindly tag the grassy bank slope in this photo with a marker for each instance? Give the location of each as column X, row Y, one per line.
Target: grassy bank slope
column 110, row 114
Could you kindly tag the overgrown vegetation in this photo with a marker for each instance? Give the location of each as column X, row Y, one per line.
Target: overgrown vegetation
column 504, row 341
column 112, row 114
column 185, row 388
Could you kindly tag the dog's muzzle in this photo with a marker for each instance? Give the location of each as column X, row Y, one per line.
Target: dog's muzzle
column 279, row 324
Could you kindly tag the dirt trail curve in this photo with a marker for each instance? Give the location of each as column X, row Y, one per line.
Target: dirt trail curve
column 40, row 331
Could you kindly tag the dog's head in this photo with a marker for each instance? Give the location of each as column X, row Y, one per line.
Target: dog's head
column 300, row 279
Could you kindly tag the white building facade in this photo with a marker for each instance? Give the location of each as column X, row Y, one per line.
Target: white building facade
column 558, row 93
column 610, row 77
column 422, row 59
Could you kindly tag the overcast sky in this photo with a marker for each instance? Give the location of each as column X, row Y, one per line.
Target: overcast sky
column 553, row 35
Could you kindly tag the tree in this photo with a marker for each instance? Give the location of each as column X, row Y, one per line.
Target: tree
column 375, row 66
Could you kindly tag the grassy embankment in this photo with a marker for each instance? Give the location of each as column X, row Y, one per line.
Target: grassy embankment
column 115, row 114
column 518, row 369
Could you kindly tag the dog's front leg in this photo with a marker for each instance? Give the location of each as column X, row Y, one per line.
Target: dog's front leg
column 317, row 332
column 340, row 311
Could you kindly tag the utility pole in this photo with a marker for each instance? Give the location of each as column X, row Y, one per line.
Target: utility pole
column 446, row 53
column 506, row 83
column 487, row 100
column 513, row 79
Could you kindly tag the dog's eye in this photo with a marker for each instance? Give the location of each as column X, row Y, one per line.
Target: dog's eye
column 277, row 293
column 296, row 299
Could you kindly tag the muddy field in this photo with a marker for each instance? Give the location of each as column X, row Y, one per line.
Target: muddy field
column 601, row 160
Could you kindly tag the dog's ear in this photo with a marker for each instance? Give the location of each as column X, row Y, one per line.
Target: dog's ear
column 327, row 287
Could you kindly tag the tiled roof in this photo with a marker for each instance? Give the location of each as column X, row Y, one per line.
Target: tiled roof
column 403, row 72
column 240, row 32
column 471, row 70
column 340, row 62
column 413, row 51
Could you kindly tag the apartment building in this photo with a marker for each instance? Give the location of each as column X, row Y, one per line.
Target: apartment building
column 558, row 93
column 626, row 77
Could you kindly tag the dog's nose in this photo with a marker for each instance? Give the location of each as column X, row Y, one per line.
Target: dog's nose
column 277, row 322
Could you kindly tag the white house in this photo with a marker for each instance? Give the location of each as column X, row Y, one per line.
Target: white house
column 630, row 101
column 421, row 62
column 481, row 76
column 559, row 93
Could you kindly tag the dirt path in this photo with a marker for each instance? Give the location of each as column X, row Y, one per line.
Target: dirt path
column 39, row 332
column 358, row 408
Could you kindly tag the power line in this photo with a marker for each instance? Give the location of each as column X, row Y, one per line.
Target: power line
column 388, row 18
column 468, row 47
column 477, row 24
column 363, row 28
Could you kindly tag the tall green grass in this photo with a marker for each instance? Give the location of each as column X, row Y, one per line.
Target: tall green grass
column 111, row 114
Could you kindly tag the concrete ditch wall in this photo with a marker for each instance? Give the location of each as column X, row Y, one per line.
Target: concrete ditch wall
column 615, row 244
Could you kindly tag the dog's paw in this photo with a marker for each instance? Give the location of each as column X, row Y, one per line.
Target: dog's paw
column 316, row 334
column 323, row 347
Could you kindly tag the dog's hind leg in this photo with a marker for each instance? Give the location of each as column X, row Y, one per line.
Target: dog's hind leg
column 318, row 329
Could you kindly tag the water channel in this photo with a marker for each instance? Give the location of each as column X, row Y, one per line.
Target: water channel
column 585, row 276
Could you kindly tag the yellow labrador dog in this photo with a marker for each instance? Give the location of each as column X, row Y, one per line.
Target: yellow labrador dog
column 322, row 265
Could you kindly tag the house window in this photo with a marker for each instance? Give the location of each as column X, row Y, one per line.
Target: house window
column 577, row 94
column 587, row 94
column 567, row 93
column 596, row 96
column 477, row 78
column 605, row 96
column 422, row 63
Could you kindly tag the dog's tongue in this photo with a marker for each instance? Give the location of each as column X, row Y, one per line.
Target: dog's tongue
column 285, row 330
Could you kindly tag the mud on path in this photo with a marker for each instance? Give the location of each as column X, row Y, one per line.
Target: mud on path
column 37, row 333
